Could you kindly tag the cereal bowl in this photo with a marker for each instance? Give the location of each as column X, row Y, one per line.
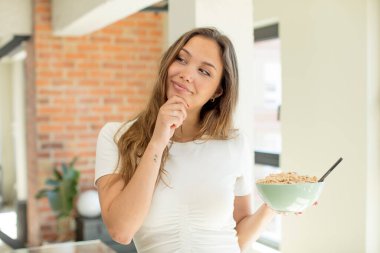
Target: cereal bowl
column 289, row 197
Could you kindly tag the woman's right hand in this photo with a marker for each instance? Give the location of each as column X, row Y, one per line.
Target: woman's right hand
column 170, row 116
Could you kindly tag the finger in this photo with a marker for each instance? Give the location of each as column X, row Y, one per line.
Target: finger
column 181, row 110
column 174, row 115
column 175, row 110
column 177, row 116
column 171, row 116
column 175, row 122
column 176, row 107
column 177, row 99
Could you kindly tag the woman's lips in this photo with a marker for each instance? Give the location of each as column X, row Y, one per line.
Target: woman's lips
column 180, row 88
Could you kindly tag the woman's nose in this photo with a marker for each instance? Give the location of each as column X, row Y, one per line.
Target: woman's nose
column 186, row 76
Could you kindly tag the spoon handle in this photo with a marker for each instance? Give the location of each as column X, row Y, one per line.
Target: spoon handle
column 331, row 169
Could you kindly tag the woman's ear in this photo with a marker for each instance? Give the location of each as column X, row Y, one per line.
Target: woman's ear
column 218, row 92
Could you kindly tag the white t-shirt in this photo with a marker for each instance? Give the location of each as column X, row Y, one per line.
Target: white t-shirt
column 194, row 213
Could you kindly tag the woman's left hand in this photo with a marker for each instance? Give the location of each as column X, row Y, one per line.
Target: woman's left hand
column 314, row 204
column 287, row 213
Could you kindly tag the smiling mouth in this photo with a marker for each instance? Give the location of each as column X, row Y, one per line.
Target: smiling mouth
column 180, row 87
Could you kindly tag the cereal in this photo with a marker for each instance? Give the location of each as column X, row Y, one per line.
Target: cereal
column 287, row 178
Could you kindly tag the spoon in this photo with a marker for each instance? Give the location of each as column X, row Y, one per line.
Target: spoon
column 331, row 169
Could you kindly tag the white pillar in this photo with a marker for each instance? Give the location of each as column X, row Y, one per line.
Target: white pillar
column 233, row 18
column 19, row 124
column 7, row 174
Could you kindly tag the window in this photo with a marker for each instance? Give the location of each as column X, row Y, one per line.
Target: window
column 267, row 127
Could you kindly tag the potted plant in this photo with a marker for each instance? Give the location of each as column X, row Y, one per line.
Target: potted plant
column 61, row 193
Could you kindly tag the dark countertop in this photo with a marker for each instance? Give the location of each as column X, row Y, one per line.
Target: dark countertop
column 93, row 246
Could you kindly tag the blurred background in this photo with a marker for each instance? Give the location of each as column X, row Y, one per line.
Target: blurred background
column 309, row 94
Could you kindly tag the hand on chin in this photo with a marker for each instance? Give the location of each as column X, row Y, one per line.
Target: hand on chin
column 176, row 95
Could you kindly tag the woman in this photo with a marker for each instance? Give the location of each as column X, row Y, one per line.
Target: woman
column 182, row 178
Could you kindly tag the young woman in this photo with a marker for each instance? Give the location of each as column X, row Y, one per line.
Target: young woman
column 177, row 178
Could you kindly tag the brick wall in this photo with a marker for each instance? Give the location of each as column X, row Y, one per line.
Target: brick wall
column 78, row 84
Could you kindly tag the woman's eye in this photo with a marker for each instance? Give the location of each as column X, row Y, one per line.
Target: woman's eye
column 204, row 72
column 180, row 59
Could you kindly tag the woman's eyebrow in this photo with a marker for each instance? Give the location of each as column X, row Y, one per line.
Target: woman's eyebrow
column 204, row 62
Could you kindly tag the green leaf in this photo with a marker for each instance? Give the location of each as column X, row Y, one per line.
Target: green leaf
column 64, row 169
column 63, row 189
column 52, row 182
column 57, row 174
column 41, row 194
column 71, row 164
column 54, row 200
column 69, row 174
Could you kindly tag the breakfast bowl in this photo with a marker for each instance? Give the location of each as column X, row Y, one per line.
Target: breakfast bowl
column 287, row 198
column 288, row 191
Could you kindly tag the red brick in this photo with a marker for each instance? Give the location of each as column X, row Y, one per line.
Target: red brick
column 52, row 145
column 113, row 100
column 88, row 47
column 88, row 65
column 101, row 39
column 63, row 118
column 48, row 110
column 89, row 100
column 43, row 128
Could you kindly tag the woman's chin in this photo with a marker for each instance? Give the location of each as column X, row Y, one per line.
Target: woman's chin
column 170, row 95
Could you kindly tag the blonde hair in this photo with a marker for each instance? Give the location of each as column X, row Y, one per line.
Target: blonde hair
column 215, row 117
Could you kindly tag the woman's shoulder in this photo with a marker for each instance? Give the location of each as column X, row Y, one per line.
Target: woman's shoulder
column 110, row 128
column 234, row 136
column 239, row 138
column 115, row 129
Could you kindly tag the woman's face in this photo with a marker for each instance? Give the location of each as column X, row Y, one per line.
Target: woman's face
column 196, row 72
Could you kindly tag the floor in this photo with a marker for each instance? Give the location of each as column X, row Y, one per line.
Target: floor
column 4, row 248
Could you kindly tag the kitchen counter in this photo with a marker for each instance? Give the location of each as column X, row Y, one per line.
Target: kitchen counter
column 93, row 246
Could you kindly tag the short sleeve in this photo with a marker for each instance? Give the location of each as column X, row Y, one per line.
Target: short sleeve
column 243, row 185
column 106, row 150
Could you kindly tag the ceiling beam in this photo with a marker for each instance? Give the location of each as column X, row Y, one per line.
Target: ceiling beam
column 15, row 19
column 76, row 18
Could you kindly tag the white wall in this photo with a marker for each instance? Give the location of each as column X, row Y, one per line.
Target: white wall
column 373, row 117
column 331, row 109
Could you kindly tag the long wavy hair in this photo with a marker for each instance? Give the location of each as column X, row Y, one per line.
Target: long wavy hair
column 216, row 118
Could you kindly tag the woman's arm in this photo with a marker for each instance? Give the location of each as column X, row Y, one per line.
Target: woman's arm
column 249, row 226
column 124, row 211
